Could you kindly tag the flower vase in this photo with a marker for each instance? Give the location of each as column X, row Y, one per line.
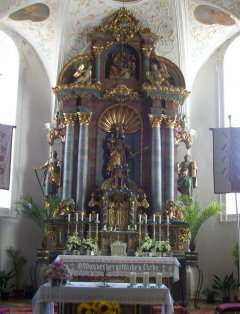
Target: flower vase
column 57, row 282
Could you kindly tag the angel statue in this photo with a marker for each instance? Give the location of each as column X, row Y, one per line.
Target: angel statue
column 158, row 76
column 84, row 75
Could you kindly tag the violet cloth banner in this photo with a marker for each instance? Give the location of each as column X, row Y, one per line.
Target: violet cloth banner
column 5, row 155
column 226, row 160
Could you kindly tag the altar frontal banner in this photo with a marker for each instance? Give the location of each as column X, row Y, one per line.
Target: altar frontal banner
column 5, row 155
column 226, row 160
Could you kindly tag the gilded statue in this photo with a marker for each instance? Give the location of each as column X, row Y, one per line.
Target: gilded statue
column 158, row 76
column 187, row 176
column 83, row 75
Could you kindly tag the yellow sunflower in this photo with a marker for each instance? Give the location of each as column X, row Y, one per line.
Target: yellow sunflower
column 116, row 307
column 103, row 307
column 83, row 308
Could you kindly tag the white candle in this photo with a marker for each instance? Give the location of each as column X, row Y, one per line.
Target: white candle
column 76, row 217
column 160, row 219
column 153, row 217
column 140, row 218
column 111, row 229
column 145, row 278
column 90, row 217
column 105, row 227
column 128, row 227
column 167, row 219
column 159, row 279
column 69, row 217
column 97, row 218
column 132, row 278
column 135, row 227
column 146, row 219
column 82, row 216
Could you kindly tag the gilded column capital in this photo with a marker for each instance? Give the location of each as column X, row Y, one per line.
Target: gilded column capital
column 84, row 118
column 155, row 120
column 147, row 51
column 70, row 119
column 169, row 122
column 97, row 50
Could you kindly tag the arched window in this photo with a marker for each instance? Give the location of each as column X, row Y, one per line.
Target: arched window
column 9, row 68
column 231, row 102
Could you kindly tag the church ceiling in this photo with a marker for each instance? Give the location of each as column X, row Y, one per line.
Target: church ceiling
column 188, row 31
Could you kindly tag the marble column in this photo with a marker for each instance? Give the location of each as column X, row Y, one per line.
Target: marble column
column 146, row 52
column 156, row 162
column 169, row 123
column 84, row 119
column 70, row 120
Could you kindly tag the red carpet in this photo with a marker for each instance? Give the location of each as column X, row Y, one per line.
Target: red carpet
column 27, row 309
column 201, row 311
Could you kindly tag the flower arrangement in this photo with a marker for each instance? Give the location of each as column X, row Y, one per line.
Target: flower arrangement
column 73, row 243
column 99, row 307
column 162, row 246
column 57, row 272
column 89, row 244
column 147, row 244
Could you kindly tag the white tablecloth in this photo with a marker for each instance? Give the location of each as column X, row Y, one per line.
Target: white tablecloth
column 84, row 265
column 76, row 292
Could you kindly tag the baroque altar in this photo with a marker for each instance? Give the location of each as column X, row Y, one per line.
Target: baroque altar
column 119, row 126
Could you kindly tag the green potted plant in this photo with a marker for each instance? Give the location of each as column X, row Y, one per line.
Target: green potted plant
column 226, row 286
column 41, row 215
column 235, row 257
column 195, row 216
column 210, row 293
column 18, row 260
column 4, row 284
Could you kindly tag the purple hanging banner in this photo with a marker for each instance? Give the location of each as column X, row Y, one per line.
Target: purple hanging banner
column 5, row 155
column 226, row 160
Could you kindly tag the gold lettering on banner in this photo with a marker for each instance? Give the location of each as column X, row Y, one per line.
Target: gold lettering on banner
column 155, row 120
column 70, row 119
column 169, row 122
column 84, row 118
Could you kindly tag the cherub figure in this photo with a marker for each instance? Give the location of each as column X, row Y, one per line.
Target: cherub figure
column 158, row 76
column 84, row 75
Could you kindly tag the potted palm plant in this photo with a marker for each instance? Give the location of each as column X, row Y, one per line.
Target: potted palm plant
column 41, row 215
column 195, row 216
column 226, row 286
column 18, row 260
column 4, row 284
column 210, row 293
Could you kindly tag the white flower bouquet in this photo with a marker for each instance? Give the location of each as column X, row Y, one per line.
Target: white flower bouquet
column 89, row 244
column 73, row 243
column 146, row 244
column 162, row 246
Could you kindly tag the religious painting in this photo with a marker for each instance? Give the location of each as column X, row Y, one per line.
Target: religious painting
column 209, row 15
column 37, row 12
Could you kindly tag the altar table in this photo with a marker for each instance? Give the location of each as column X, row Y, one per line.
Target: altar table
column 81, row 292
column 121, row 266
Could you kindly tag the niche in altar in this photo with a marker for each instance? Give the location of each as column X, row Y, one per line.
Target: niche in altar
column 119, row 128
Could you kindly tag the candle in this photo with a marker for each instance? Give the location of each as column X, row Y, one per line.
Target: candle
column 76, row 217
column 97, row 218
column 105, row 227
column 153, row 217
column 128, row 227
column 146, row 220
column 159, row 279
column 69, row 217
column 82, row 216
column 140, row 218
column 132, row 278
column 167, row 219
column 160, row 219
column 135, row 227
column 145, row 278
column 90, row 217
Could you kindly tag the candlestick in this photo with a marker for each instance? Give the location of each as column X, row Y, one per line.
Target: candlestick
column 145, row 279
column 90, row 217
column 132, row 278
column 167, row 219
column 82, row 216
column 153, row 217
column 76, row 217
column 146, row 220
column 140, row 218
column 159, row 279
column 97, row 218
column 69, row 217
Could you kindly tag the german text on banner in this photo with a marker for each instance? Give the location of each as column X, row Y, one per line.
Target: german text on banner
column 226, row 160
column 5, row 155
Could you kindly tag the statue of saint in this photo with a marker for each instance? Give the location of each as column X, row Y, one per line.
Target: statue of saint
column 52, row 176
column 187, row 176
column 84, row 75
